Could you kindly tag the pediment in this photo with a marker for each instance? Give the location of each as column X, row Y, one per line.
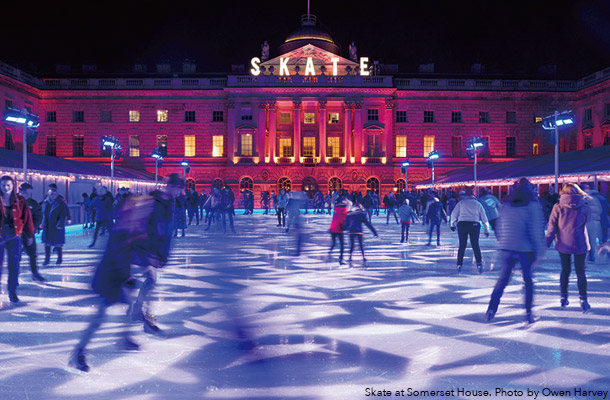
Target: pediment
column 246, row 126
column 320, row 57
column 375, row 125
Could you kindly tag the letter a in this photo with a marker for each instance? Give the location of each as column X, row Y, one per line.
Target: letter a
column 256, row 70
column 309, row 68
column 284, row 66
column 334, row 60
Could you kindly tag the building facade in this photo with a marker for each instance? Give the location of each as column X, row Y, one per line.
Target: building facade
column 307, row 119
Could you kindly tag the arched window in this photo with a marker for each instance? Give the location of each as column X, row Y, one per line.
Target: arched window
column 400, row 185
column 334, row 184
column 310, row 186
column 284, row 183
column 372, row 184
column 190, row 183
column 246, row 183
column 218, row 183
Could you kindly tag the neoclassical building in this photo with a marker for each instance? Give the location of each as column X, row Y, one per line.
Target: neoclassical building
column 309, row 118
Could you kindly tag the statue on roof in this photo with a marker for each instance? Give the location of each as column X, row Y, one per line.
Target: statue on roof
column 353, row 52
column 265, row 51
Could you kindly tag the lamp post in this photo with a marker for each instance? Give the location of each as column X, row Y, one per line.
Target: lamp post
column 27, row 120
column 552, row 123
column 158, row 161
column 472, row 149
column 433, row 155
column 186, row 166
column 405, row 169
column 115, row 148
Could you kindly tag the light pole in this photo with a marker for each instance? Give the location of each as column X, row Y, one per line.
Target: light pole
column 158, row 162
column 433, row 155
column 187, row 167
column 27, row 120
column 553, row 123
column 405, row 168
column 115, row 148
column 471, row 150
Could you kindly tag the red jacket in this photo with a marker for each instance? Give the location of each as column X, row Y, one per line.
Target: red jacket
column 22, row 217
column 336, row 226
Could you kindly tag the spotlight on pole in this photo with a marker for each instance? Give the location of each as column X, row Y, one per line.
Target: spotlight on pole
column 29, row 121
column 156, row 154
column 473, row 145
column 433, row 155
column 551, row 124
column 404, row 168
column 186, row 165
column 115, row 148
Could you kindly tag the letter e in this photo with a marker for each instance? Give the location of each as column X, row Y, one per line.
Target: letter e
column 364, row 68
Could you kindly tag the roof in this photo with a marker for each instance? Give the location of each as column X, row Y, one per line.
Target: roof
column 595, row 161
column 12, row 159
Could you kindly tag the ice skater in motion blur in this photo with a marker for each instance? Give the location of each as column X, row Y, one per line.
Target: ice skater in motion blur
column 353, row 224
column 336, row 228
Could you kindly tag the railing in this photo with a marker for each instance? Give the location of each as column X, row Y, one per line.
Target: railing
column 335, row 160
column 144, row 83
column 246, row 160
column 284, row 160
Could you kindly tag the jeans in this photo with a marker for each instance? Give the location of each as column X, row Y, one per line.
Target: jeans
column 405, row 231
column 280, row 214
column 466, row 229
column 107, row 223
column 438, row 231
column 193, row 213
column 336, row 236
column 391, row 210
column 228, row 213
column 566, row 267
column 31, row 251
column 509, row 260
column 13, row 248
column 352, row 238
column 94, row 324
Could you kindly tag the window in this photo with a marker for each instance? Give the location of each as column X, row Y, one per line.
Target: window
column 456, row 146
column 218, row 116
column 246, row 183
column 284, row 118
column 537, row 119
column 162, row 144
column 51, row 116
column 511, row 146
column 134, row 116
column 8, row 140
column 373, row 184
column 401, row 146
column 134, row 146
column 217, row 146
column 607, row 139
column 483, row 117
column 284, row 183
column 607, row 110
column 190, row 184
column 401, row 116
column 246, row 144
column 310, row 118
column 246, row 114
column 8, row 104
column 189, row 145
column 428, row 145
column 285, row 147
column 486, row 152
column 51, row 149
column 333, row 118
column 511, row 117
column 218, row 183
column 78, row 116
column 372, row 114
column 535, row 149
column 587, row 140
column 28, row 109
column 428, row 116
column 373, row 146
column 588, row 115
column 106, row 116
column 162, row 115
column 334, row 183
column 189, row 116
column 333, row 147
column 309, row 147
column 456, row 117
column 78, row 146
column 400, row 185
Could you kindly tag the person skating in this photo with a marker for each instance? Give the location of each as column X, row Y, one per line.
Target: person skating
column 390, row 205
column 491, row 205
column 228, row 208
column 567, row 227
column 468, row 215
column 407, row 215
column 180, row 214
column 282, row 202
column 54, row 217
column 520, row 233
column 102, row 204
column 25, row 190
column 353, row 224
column 434, row 216
column 213, row 207
column 15, row 220
column 336, row 229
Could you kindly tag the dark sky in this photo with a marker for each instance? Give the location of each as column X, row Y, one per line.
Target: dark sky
column 508, row 37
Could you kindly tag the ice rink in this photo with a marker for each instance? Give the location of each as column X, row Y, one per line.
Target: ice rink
column 244, row 318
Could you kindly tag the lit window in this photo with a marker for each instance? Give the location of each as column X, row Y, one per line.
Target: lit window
column 428, row 145
column 333, row 149
column 333, row 118
column 373, row 114
column 428, row 117
column 401, row 116
column 189, row 116
column 401, row 146
column 189, row 145
column 310, row 118
column 134, row 146
column 309, row 146
column 78, row 146
column 284, row 118
column 161, row 115
column 134, row 116
column 246, row 144
column 285, row 147
column 217, row 116
column 217, row 146
column 537, row 119
column 162, row 144
column 535, row 149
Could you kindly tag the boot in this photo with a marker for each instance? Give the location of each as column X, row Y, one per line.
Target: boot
column 78, row 360
column 564, row 301
column 529, row 318
column 59, row 256
column 480, row 268
column 47, row 255
column 584, row 304
column 35, row 275
column 490, row 314
column 150, row 325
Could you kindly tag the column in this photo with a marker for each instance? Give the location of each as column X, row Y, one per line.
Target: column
column 358, row 131
column 261, row 131
column 230, row 131
column 296, row 145
column 322, row 118
column 389, row 131
column 347, row 131
column 272, row 125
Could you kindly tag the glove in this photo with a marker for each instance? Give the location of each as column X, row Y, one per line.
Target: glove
column 453, row 229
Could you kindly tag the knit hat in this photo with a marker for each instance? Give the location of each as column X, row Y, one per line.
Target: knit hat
column 25, row 186
column 52, row 186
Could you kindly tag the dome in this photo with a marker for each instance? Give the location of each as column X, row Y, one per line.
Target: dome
column 309, row 33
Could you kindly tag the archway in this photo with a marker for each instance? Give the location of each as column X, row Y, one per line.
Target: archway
column 310, row 186
column 372, row 184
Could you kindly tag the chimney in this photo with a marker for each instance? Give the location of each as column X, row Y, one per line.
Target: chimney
column 426, row 68
column 189, row 67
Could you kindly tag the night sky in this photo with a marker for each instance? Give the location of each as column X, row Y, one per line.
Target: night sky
column 508, row 37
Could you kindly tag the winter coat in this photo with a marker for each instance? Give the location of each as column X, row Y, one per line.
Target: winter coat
column 469, row 209
column 406, row 213
column 567, row 225
column 520, row 227
column 282, row 200
column 193, row 200
column 103, row 207
column 354, row 220
column 36, row 211
column 367, row 201
column 336, row 225
column 54, row 216
column 436, row 212
column 491, row 205
column 154, row 247
column 22, row 217
column 228, row 200
column 214, row 200
column 180, row 212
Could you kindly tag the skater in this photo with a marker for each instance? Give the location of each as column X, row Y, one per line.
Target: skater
column 265, row 202
column 102, row 204
column 274, row 201
column 390, row 205
column 567, row 227
column 336, row 229
column 434, row 216
column 491, row 205
column 15, row 220
column 180, row 214
column 228, row 208
column 212, row 206
column 367, row 202
column 25, row 190
column 407, row 215
column 193, row 206
column 87, row 213
column 353, row 224
column 296, row 201
column 54, row 216
column 467, row 216
column 520, row 233
column 282, row 202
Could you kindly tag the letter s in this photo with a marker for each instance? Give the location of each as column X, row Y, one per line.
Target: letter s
column 256, row 70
